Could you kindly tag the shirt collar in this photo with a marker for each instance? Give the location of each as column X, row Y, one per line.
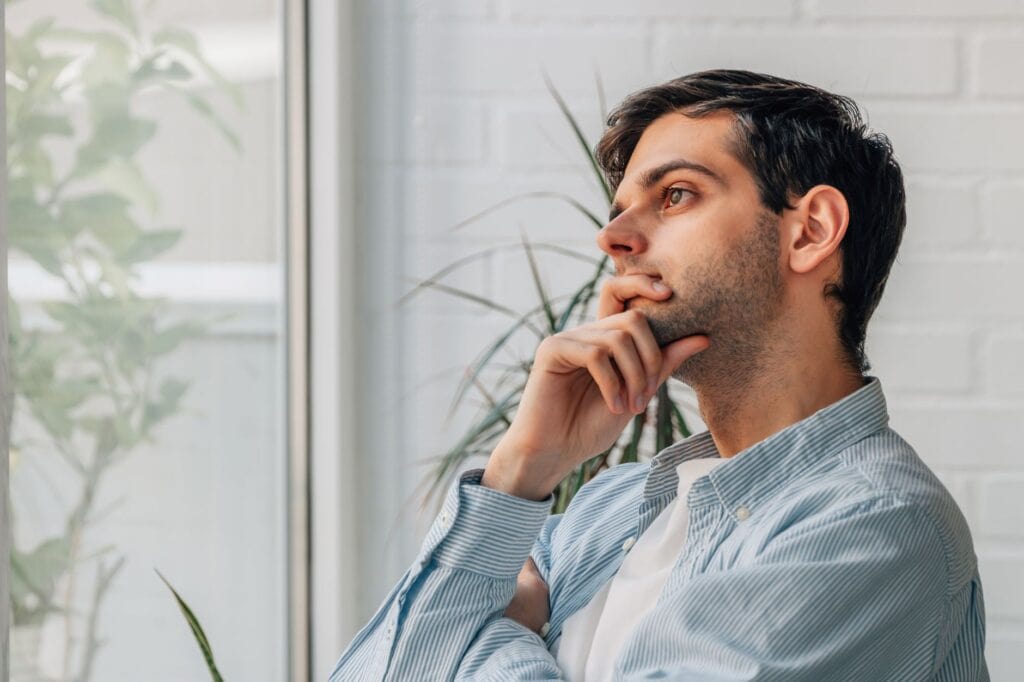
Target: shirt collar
column 754, row 475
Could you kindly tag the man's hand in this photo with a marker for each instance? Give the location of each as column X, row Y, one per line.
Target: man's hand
column 530, row 606
column 586, row 384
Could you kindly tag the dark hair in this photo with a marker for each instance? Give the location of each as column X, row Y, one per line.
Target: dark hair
column 791, row 136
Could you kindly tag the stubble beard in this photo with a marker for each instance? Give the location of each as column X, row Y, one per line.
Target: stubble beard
column 734, row 299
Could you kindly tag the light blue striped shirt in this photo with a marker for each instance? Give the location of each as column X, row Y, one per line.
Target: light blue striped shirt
column 827, row 551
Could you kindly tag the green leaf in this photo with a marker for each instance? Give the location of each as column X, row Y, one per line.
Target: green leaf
column 206, row 111
column 39, row 125
column 169, row 400
column 481, row 361
column 629, row 453
column 663, row 431
column 124, row 135
column 34, row 232
column 581, row 138
column 148, row 245
column 197, row 631
column 157, row 68
column 530, row 195
column 480, row 254
column 44, row 76
column 204, row 108
column 186, row 42
column 105, row 215
column 170, row 338
column 125, row 176
column 30, row 163
column 684, row 430
column 535, row 272
column 36, row 573
column 68, row 394
column 582, row 295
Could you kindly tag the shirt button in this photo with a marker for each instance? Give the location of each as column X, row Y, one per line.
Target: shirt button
column 444, row 518
column 628, row 543
column 742, row 513
column 544, row 629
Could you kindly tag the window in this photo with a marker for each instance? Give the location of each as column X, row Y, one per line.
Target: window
column 149, row 311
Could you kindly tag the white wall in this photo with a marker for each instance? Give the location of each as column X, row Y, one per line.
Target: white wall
column 943, row 79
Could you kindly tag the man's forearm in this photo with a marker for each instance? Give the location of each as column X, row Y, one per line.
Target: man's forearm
column 463, row 578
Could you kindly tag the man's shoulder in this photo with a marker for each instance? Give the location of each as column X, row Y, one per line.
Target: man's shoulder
column 883, row 471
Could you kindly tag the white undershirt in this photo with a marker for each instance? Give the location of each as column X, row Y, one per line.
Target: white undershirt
column 592, row 637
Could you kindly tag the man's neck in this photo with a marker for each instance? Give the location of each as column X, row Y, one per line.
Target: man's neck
column 769, row 402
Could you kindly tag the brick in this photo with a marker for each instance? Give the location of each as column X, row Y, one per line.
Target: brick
column 996, row 69
column 1000, row 575
column 915, row 9
column 667, row 9
column 512, row 59
column 1006, row 365
column 910, row 360
column 856, row 64
column 999, row 505
column 449, row 131
column 940, row 214
column 962, row 438
column 1003, row 210
column 953, row 289
column 960, row 138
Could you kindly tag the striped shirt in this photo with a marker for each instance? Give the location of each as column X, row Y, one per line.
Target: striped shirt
column 826, row 551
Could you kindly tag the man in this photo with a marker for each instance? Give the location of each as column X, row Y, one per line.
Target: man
column 799, row 538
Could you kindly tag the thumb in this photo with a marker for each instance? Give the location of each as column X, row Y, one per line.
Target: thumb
column 676, row 353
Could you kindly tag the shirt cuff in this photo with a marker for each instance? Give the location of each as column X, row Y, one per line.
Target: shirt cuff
column 488, row 531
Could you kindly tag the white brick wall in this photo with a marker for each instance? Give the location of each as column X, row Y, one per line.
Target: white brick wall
column 942, row 78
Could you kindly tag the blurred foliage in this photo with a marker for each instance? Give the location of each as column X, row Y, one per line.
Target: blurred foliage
column 551, row 315
column 85, row 371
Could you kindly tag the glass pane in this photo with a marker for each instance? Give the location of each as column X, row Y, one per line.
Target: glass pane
column 145, row 199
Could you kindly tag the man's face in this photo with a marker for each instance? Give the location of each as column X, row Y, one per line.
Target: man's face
column 703, row 230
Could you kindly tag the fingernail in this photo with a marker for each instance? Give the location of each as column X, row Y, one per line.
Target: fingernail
column 639, row 402
column 618, row 404
column 659, row 287
column 651, row 385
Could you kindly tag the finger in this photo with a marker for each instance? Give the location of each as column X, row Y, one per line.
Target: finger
column 597, row 360
column 615, row 291
column 678, row 352
column 646, row 345
column 626, row 359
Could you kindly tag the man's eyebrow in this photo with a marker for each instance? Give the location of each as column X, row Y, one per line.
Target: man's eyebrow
column 650, row 177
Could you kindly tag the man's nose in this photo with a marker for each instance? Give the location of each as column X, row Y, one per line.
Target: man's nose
column 620, row 236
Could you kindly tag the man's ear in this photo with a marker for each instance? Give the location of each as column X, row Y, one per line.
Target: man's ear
column 812, row 231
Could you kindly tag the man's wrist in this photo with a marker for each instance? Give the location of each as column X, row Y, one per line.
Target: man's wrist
column 504, row 475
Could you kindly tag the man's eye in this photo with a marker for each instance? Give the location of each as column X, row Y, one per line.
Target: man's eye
column 674, row 192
